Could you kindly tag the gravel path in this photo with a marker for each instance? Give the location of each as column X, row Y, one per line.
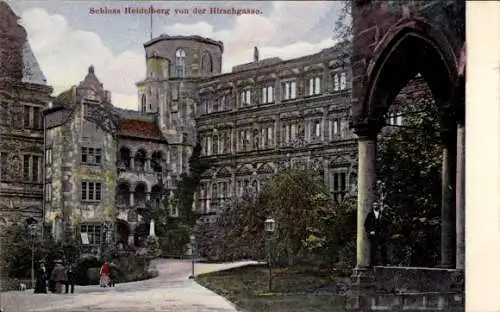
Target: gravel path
column 170, row 291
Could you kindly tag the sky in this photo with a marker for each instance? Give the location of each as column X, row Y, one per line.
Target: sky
column 66, row 38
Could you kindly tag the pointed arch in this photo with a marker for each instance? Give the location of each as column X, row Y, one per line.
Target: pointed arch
column 267, row 168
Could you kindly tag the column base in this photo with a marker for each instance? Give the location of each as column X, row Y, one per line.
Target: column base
column 362, row 288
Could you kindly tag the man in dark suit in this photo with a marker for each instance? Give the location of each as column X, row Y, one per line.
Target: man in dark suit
column 376, row 227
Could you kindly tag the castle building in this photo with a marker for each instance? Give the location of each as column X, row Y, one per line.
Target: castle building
column 89, row 168
column 23, row 95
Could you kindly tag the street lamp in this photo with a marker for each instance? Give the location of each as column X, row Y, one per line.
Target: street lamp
column 33, row 232
column 269, row 227
column 192, row 239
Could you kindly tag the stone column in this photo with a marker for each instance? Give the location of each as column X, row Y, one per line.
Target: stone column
column 460, row 197
column 448, row 177
column 367, row 147
column 131, row 199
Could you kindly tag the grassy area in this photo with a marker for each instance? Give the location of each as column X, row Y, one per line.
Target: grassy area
column 293, row 289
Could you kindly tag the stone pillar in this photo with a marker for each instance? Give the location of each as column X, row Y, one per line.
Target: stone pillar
column 448, row 177
column 367, row 147
column 132, row 163
column 460, row 198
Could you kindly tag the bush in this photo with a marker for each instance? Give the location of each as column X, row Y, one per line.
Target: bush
column 153, row 246
column 174, row 240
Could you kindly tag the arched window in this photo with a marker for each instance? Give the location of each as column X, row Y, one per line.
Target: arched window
column 206, row 63
column 180, row 62
column 143, row 103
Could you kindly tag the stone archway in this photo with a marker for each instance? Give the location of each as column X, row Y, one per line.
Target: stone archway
column 409, row 50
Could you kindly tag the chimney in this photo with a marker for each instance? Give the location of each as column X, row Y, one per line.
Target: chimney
column 255, row 54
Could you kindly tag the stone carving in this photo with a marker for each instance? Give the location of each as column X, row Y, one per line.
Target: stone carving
column 132, row 216
column 15, row 171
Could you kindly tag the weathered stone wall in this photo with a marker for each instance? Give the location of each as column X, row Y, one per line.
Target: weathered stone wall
column 67, row 172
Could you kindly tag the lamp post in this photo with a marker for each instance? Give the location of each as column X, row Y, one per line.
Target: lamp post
column 269, row 227
column 192, row 239
column 33, row 232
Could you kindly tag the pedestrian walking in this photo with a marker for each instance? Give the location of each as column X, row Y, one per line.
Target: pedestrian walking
column 104, row 273
column 59, row 276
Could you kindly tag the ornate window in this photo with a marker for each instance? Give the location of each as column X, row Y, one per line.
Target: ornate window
column 336, row 82
column 206, row 63
column 180, row 63
column 289, row 90
column 339, row 185
column 267, row 95
column 255, row 139
column 31, row 168
column 315, row 85
column 343, row 81
column 246, row 97
column 215, row 145
column 3, row 165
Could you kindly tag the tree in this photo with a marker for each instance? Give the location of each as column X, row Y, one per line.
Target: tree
column 188, row 185
column 300, row 203
column 409, row 163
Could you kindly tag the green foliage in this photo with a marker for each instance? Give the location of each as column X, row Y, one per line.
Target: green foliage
column 305, row 218
column 299, row 202
column 153, row 246
column 188, row 185
column 409, row 163
column 172, row 239
column 18, row 248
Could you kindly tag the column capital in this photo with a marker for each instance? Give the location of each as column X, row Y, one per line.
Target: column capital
column 366, row 130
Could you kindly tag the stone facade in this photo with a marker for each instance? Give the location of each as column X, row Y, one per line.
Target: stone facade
column 23, row 96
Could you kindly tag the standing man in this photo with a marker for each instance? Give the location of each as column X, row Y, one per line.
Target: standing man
column 376, row 226
column 70, row 283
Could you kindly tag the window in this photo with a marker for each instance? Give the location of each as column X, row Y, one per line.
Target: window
column 4, row 113
column 31, row 168
column 399, row 120
column 315, row 85
column 48, row 156
column 94, row 233
column 215, row 145
column 32, row 117
column 336, row 82
column 289, row 90
column 3, row 165
column 343, row 81
column 91, row 191
column 334, row 128
column 206, row 63
column 270, row 136
column 143, row 103
column 317, row 129
column 91, row 156
column 339, row 186
column 267, row 95
column 180, row 63
column 48, row 192
column 246, row 97
column 175, row 92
